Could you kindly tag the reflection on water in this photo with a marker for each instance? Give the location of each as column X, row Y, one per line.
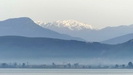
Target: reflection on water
column 66, row 72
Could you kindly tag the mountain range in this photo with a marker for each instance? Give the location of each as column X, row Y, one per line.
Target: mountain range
column 86, row 31
column 22, row 39
column 16, row 47
column 67, row 29
column 26, row 27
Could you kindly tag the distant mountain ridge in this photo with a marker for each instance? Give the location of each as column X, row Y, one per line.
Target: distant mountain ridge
column 88, row 33
column 120, row 39
column 24, row 26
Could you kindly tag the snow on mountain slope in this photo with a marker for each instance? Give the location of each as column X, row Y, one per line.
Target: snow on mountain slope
column 67, row 24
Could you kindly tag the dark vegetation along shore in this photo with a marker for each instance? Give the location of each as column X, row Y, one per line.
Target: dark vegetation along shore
column 66, row 66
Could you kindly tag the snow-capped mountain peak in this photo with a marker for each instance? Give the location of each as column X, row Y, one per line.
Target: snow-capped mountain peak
column 68, row 24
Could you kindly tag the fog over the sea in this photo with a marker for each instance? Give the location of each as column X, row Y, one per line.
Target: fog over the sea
column 98, row 13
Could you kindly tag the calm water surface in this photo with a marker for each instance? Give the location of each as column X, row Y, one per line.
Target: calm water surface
column 66, row 72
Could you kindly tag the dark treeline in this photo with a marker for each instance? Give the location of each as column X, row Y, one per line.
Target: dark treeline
column 129, row 65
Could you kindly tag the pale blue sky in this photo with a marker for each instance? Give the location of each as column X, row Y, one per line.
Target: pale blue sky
column 98, row 13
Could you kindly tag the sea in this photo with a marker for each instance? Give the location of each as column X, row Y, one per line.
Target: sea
column 66, row 71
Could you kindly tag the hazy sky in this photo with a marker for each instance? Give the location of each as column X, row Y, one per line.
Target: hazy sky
column 98, row 13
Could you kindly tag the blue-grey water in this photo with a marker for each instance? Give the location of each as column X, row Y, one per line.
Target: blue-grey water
column 66, row 72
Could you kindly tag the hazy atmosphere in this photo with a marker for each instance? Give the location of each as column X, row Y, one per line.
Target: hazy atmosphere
column 66, row 37
column 98, row 13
